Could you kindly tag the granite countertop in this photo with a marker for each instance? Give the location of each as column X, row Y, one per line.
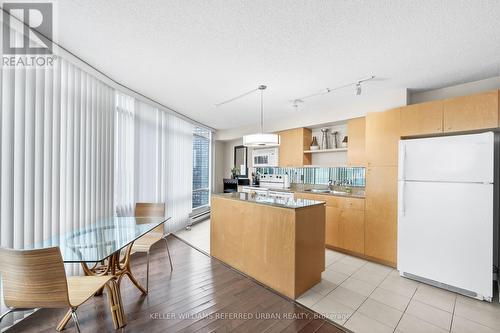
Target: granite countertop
column 357, row 195
column 344, row 194
column 270, row 201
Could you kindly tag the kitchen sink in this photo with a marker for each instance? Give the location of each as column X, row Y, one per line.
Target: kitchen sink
column 315, row 190
column 338, row 192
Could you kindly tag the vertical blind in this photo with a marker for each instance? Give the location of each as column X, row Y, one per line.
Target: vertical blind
column 56, row 149
column 124, row 155
column 175, row 172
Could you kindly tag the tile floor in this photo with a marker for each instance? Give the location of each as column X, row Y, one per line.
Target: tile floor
column 368, row 297
column 198, row 236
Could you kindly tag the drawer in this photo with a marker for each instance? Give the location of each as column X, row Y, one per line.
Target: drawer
column 334, row 201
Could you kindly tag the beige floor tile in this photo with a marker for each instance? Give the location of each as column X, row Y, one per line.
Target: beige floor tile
column 361, row 287
column 378, row 268
column 324, row 287
column 383, row 313
column 198, row 236
column 332, row 256
column 391, row 298
column 412, row 324
column 309, row 298
column 353, row 261
column 487, row 306
column 363, row 324
column 369, row 276
column 462, row 325
column 436, row 297
column 334, row 276
column 481, row 312
column 430, row 314
column 400, row 285
column 342, row 267
column 346, row 297
column 395, row 273
column 335, row 311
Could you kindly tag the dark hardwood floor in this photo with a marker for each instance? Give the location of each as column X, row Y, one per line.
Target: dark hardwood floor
column 201, row 295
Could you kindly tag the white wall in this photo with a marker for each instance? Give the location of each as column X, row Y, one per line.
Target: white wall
column 455, row 91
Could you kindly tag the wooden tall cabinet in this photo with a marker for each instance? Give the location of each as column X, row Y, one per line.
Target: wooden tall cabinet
column 382, row 138
column 471, row 112
column 382, row 142
column 381, row 213
column 293, row 142
column 423, row 118
column 356, row 144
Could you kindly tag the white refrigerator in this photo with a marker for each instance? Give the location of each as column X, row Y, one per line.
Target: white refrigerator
column 445, row 212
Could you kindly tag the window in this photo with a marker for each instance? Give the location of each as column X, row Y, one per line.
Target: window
column 201, row 167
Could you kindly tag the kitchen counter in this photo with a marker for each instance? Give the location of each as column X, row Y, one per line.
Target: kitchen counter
column 344, row 195
column 271, row 201
column 356, row 194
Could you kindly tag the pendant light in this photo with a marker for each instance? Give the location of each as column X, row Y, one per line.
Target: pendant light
column 261, row 139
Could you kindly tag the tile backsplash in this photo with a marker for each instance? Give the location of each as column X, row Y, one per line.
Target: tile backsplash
column 320, row 176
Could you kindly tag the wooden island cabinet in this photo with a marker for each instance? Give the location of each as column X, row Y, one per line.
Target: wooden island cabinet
column 280, row 243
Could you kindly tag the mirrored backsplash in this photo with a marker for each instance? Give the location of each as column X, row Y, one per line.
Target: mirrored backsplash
column 320, row 176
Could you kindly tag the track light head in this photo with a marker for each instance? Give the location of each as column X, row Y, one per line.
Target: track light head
column 358, row 88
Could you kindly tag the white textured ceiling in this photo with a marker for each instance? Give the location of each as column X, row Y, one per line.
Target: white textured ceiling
column 191, row 54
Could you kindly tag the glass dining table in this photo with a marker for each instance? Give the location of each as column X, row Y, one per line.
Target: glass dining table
column 104, row 248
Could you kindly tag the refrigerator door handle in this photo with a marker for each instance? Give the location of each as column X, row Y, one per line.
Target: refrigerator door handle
column 402, row 203
column 403, row 176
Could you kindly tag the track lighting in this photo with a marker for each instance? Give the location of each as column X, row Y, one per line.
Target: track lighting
column 358, row 88
column 357, row 84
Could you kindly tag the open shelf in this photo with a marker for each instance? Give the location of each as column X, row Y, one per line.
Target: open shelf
column 333, row 150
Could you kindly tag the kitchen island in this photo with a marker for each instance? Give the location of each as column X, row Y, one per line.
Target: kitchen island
column 278, row 242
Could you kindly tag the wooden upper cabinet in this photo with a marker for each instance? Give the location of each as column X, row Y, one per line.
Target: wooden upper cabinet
column 423, row 118
column 356, row 143
column 382, row 138
column 471, row 112
column 292, row 145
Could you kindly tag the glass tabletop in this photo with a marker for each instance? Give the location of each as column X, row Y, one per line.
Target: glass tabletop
column 97, row 241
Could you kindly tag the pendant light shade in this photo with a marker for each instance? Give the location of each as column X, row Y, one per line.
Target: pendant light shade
column 261, row 139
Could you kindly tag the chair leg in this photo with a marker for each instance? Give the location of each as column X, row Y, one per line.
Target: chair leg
column 62, row 324
column 147, row 273
column 75, row 319
column 168, row 252
column 5, row 314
